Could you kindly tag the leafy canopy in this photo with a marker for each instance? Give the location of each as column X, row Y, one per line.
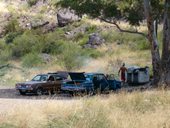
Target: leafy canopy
column 131, row 11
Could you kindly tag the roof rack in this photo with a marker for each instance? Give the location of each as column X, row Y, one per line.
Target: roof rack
column 52, row 73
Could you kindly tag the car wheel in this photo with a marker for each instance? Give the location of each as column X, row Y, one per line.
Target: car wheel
column 99, row 90
column 39, row 91
column 90, row 92
column 21, row 92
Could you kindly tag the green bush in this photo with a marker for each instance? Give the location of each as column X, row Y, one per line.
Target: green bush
column 32, row 2
column 31, row 60
column 5, row 55
column 78, row 37
column 12, row 26
column 143, row 45
column 83, row 40
column 71, row 56
column 24, row 44
column 91, row 29
column 2, row 44
column 135, row 42
column 93, row 53
column 53, row 47
column 11, row 36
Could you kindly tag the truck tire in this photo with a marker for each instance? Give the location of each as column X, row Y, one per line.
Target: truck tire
column 21, row 92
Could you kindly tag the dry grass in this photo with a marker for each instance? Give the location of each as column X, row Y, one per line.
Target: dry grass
column 149, row 109
column 114, row 56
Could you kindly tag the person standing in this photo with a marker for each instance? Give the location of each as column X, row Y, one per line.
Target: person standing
column 122, row 73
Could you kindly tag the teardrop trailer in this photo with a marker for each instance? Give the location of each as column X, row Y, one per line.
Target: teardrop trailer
column 138, row 75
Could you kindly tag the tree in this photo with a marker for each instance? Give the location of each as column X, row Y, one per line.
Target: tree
column 134, row 12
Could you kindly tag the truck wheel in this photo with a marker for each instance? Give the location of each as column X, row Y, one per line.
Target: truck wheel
column 90, row 92
column 99, row 90
column 21, row 92
column 39, row 91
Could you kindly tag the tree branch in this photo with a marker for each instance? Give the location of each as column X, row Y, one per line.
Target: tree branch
column 10, row 66
column 3, row 66
column 123, row 30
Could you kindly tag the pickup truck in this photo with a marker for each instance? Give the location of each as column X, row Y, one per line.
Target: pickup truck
column 101, row 83
column 77, row 84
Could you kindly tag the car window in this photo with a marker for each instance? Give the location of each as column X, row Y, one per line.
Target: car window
column 100, row 77
column 89, row 77
column 51, row 78
column 58, row 78
column 44, row 78
column 40, row 78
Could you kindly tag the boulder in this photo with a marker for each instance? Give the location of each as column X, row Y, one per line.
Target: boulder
column 66, row 16
column 94, row 41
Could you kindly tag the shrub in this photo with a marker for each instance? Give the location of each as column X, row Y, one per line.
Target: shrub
column 91, row 29
column 143, row 45
column 5, row 55
column 53, row 47
column 79, row 36
column 11, row 36
column 24, row 44
column 93, row 53
column 2, row 45
column 135, row 42
column 83, row 40
column 31, row 60
column 72, row 56
column 32, row 2
column 12, row 26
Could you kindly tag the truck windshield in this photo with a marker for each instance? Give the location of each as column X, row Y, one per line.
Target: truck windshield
column 40, row 78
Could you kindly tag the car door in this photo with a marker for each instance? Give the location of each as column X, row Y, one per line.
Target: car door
column 57, row 83
column 50, row 83
column 102, row 82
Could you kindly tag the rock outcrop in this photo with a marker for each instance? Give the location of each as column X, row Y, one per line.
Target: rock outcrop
column 94, row 41
column 66, row 16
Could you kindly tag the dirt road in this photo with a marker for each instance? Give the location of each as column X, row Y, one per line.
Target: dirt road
column 11, row 93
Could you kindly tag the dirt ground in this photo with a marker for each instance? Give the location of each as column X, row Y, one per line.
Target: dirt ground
column 11, row 93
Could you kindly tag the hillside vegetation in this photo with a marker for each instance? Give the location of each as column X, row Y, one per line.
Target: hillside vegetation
column 41, row 50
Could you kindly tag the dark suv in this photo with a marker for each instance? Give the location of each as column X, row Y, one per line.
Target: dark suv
column 41, row 83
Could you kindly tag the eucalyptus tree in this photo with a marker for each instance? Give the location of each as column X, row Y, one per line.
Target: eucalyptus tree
column 135, row 12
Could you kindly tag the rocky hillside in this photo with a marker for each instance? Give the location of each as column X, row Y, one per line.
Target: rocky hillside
column 32, row 14
column 38, row 36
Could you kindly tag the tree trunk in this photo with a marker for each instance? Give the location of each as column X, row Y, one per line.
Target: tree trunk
column 165, row 75
column 156, row 61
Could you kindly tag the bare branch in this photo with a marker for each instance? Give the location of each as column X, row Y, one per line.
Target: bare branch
column 123, row 30
column 3, row 66
column 11, row 66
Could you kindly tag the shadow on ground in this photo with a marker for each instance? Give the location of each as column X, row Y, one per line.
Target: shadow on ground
column 14, row 94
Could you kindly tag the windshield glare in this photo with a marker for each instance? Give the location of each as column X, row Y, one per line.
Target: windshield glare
column 40, row 78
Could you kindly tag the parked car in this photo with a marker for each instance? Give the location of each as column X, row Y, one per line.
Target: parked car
column 77, row 84
column 101, row 83
column 41, row 83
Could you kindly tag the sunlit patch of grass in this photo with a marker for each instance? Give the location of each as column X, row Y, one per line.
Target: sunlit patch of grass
column 138, row 109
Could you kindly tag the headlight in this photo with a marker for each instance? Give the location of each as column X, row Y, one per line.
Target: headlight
column 17, row 85
column 28, row 86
